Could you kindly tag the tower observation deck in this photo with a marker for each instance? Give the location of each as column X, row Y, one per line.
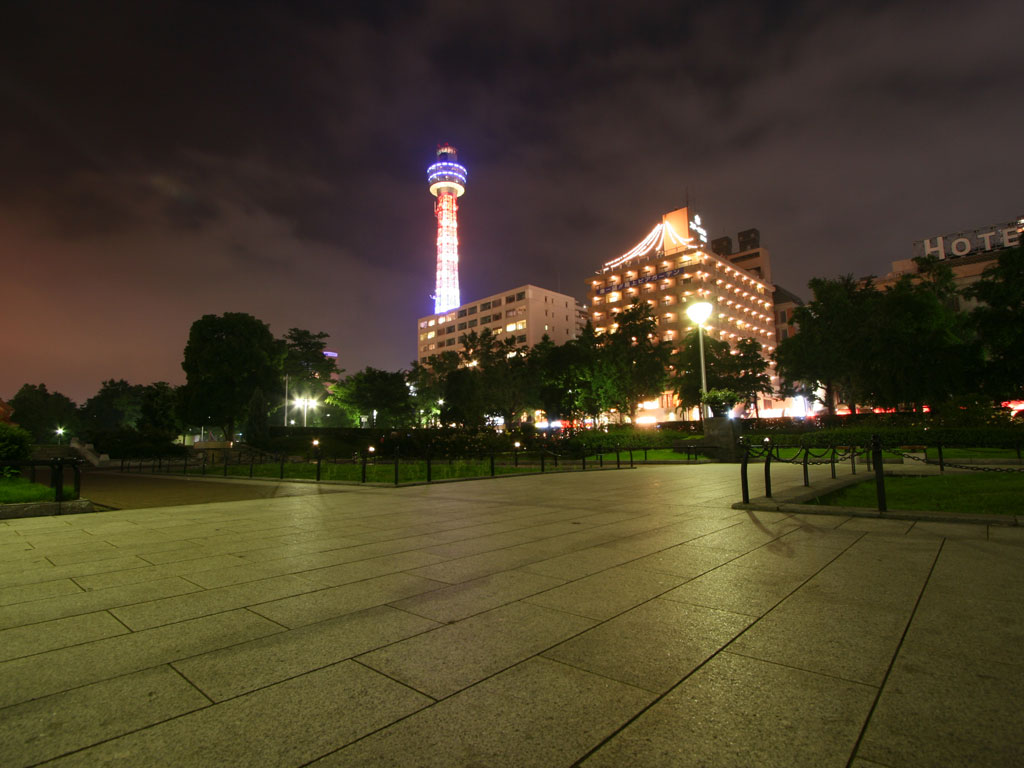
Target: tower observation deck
column 447, row 183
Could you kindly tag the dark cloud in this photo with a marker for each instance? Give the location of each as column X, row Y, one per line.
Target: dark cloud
column 165, row 160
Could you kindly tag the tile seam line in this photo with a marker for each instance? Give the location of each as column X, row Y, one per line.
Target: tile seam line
column 892, row 661
column 586, row 756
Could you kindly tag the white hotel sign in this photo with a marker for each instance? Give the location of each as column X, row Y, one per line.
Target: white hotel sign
column 958, row 244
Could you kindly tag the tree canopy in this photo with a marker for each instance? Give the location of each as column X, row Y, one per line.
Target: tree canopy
column 227, row 358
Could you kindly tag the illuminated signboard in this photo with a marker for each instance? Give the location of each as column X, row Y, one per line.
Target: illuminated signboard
column 696, row 226
column 959, row 244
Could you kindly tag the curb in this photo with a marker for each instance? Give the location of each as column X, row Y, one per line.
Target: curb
column 45, row 509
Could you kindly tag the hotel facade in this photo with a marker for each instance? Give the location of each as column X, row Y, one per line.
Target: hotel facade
column 670, row 268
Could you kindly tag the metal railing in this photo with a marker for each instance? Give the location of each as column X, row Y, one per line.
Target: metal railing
column 395, row 467
column 56, row 469
column 873, row 453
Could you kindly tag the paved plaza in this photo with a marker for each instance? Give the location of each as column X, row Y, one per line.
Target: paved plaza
column 616, row 618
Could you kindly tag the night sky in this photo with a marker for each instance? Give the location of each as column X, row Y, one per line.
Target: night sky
column 167, row 159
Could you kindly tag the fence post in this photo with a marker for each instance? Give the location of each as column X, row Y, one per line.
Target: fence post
column 832, row 460
column 396, row 466
column 768, row 467
column 584, row 460
column 429, row 476
column 492, row 464
column 743, row 474
column 630, row 458
column 807, row 480
column 204, row 464
column 542, row 462
column 645, row 455
column 252, row 461
column 876, row 459
column 363, row 479
column 57, row 479
column 77, row 474
column 318, row 458
column 942, row 462
column 184, row 464
column 618, row 459
column 853, row 459
column 227, row 456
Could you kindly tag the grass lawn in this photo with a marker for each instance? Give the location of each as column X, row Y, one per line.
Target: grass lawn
column 973, row 493
column 20, row 490
column 950, row 454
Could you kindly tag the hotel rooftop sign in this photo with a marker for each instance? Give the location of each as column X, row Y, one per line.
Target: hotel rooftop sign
column 958, row 244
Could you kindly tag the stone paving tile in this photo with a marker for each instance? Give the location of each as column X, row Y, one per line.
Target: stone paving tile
column 470, row 597
column 652, row 646
column 46, row 728
column 33, row 575
column 44, row 674
column 938, row 710
column 736, row 588
column 950, row 530
column 258, row 663
column 799, row 558
column 538, row 714
column 376, row 566
column 685, row 560
column 605, row 594
column 474, row 546
column 88, row 602
column 143, row 571
column 737, row 712
column 854, row 641
column 287, row 724
column 455, row 656
column 581, row 563
column 41, row 591
column 173, row 609
column 336, row 601
column 50, row 635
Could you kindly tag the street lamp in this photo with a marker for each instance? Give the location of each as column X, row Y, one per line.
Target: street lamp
column 60, row 434
column 305, row 403
column 699, row 312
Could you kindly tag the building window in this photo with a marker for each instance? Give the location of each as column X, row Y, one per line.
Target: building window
column 521, row 295
column 462, row 326
column 450, row 343
column 472, row 323
column 430, row 335
column 782, row 316
column 450, row 329
column 472, row 310
column 462, row 313
column 423, row 323
column 485, row 305
column 510, row 299
column 521, row 339
column 485, row 319
column 521, row 325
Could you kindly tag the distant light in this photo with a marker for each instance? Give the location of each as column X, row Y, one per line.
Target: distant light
column 646, row 420
column 316, row 442
column 328, row 353
column 372, row 449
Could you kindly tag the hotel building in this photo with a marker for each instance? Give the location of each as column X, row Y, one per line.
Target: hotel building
column 526, row 313
column 672, row 267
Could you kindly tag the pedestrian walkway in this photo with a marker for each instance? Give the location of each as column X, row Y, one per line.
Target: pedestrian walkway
column 625, row 618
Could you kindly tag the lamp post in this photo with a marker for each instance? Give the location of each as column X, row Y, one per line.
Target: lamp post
column 60, row 434
column 699, row 312
column 305, row 403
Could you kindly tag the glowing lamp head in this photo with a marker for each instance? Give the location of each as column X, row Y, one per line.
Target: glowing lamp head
column 699, row 312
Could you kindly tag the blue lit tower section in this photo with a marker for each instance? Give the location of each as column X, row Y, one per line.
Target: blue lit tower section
column 447, row 183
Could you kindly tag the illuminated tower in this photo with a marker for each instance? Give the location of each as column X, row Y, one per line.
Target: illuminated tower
column 447, row 183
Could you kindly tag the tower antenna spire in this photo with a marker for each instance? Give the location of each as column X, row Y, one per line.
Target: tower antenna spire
column 447, row 181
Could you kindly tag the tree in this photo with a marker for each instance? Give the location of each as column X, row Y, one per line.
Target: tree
column 117, row 406
column 160, row 410
column 380, row 398
column 637, row 358
column 227, row 358
column 999, row 322
column 917, row 350
column 724, row 373
column 427, row 384
column 256, row 430
column 751, row 371
column 829, row 351
column 591, row 377
column 40, row 412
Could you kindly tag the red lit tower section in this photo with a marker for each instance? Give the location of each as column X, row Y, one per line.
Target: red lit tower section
column 447, row 183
